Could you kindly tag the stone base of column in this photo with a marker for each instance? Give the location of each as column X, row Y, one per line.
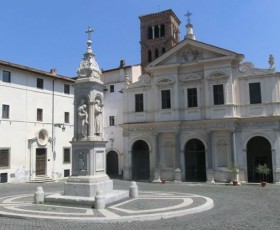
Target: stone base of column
column 210, row 176
column 88, row 186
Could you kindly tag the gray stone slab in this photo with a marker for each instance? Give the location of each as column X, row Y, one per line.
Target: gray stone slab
column 112, row 197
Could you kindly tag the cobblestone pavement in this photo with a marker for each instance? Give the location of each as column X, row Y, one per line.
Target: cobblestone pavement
column 236, row 207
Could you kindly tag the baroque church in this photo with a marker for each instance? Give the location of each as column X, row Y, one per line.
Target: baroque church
column 198, row 111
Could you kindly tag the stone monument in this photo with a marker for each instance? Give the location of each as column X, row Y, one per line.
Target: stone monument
column 88, row 145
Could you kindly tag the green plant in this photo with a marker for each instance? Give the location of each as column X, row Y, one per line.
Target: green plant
column 234, row 168
column 263, row 170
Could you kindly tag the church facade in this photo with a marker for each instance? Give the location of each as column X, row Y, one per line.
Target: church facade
column 198, row 112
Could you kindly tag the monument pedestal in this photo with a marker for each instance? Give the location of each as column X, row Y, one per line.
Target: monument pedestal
column 88, row 186
column 88, row 177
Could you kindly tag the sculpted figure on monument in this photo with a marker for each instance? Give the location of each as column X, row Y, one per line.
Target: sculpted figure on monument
column 83, row 119
column 98, row 116
column 82, row 164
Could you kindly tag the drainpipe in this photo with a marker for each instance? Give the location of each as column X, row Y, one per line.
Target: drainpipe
column 53, row 126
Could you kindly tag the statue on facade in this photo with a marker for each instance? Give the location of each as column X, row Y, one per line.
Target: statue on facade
column 83, row 120
column 271, row 62
column 98, row 117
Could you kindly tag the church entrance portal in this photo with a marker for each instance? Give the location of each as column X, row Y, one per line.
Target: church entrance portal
column 195, row 161
column 112, row 164
column 258, row 152
column 41, row 159
column 140, row 161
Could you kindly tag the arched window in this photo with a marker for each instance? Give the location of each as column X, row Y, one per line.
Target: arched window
column 149, row 55
column 156, row 53
column 150, row 32
column 162, row 30
column 162, row 50
column 156, row 31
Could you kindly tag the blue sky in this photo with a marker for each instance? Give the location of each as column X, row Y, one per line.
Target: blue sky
column 49, row 34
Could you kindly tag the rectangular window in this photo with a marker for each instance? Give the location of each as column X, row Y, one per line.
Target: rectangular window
column 4, row 158
column 39, row 114
column 218, row 94
column 6, row 111
column 139, row 103
column 66, row 172
column 255, row 93
column 192, row 97
column 40, row 83
column 111, row 120
column 165, row 99
column 66, row 89
column 3, row 177
column 66, row 156
column 112, row 88
column 6, row 76
column 66, row 117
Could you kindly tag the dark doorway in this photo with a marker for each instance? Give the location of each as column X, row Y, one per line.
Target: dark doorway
column 195, row 161
column 41, row 159
column 112, row 164
column 140, row 161
column 258, row 152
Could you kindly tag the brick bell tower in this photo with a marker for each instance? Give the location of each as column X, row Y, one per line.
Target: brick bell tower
column 159, row 33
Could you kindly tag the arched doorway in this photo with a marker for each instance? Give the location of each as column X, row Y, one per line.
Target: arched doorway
column 112, row 164
column 258, row 152
column 195, row 161
column 140, row 161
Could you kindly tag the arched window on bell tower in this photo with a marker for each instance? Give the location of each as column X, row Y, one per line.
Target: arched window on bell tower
column 149, row 55
column 156, row 31
column 150, row 32
column 162, row 30
column 156, row 53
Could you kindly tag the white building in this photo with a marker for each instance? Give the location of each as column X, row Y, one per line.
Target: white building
column 115, row 80
column 36, row 123
column 198, row 110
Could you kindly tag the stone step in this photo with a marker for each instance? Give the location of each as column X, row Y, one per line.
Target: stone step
column 42, row 179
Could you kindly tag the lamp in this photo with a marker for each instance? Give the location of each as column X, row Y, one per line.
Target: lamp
column 60, row 125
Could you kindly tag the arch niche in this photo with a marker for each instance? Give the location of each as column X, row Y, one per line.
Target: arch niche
column 112, row 164
column 258, row 152
column 140, row 161
column 195, row 163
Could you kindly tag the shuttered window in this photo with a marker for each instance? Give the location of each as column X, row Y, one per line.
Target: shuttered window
column 4, row 158
column 66, row 156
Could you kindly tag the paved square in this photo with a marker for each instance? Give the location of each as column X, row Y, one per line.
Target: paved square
column 235, row 207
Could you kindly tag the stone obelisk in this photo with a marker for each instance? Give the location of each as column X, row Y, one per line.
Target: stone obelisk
column 88, row 145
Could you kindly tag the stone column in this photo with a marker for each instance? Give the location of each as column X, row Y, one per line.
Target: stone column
column 210, row 156
column 177, row 172
column 210, row 170
column 233, row 154
column 157, row 169
column 182, row 164
column 129, row 168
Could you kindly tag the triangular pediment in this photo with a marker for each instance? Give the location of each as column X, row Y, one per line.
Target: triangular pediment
column 192, row 51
